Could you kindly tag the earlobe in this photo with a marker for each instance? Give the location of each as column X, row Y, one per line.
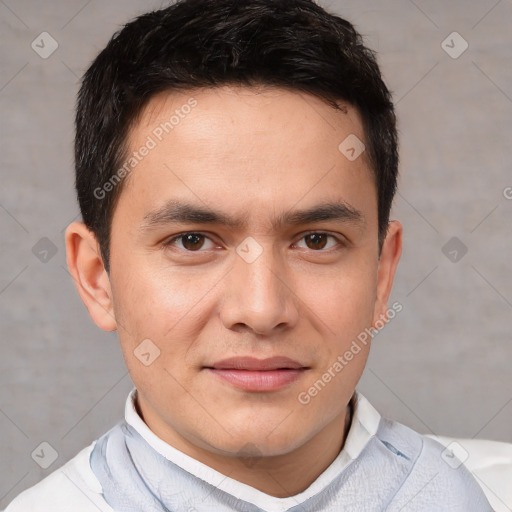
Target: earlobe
column 91, row 279
column 389, row 258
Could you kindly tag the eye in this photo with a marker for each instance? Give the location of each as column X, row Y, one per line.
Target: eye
column 317, row 240
column 194, row 241
column 190, row 241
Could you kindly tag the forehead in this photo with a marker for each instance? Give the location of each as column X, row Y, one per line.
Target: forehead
column 262, row 109
column 244, row 147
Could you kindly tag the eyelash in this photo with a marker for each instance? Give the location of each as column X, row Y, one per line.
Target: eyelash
column 340, row 242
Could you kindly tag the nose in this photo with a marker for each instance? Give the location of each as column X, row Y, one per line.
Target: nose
column 259, row 295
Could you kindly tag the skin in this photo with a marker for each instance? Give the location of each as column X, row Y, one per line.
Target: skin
column 257, row 152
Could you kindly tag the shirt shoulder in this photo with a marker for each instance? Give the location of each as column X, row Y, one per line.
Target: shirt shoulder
column 437, row 480
column 73, row 486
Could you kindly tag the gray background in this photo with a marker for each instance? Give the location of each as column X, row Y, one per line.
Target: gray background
column 441, row 366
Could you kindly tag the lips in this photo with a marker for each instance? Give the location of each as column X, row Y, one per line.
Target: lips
column 258, row 375
column 253, row 364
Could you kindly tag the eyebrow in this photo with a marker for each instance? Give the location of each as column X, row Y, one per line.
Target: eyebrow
column 179, row 212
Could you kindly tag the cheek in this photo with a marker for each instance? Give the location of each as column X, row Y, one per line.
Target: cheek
column 153, row 300
column 346, row 312
column 346, row 300
column 160, row 308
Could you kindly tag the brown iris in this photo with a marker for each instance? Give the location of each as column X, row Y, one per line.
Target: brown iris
column 317, row 240
column 192, row 241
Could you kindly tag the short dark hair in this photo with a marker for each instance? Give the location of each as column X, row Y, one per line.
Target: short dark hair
column 191, row 44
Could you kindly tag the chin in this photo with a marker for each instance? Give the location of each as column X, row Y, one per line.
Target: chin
column 254, row 443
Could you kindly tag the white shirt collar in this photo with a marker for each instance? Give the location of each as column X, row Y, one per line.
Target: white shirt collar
column 365, row 422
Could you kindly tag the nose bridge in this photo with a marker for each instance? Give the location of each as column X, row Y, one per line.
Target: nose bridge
column 258, row 266
column 258, row 294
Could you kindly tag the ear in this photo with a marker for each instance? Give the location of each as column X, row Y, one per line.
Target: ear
column 388, row 261
column 91, row 279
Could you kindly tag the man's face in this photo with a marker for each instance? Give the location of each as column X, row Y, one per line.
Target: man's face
column 261, row 289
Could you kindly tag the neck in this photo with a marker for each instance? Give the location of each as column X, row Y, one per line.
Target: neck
column 279, row 476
